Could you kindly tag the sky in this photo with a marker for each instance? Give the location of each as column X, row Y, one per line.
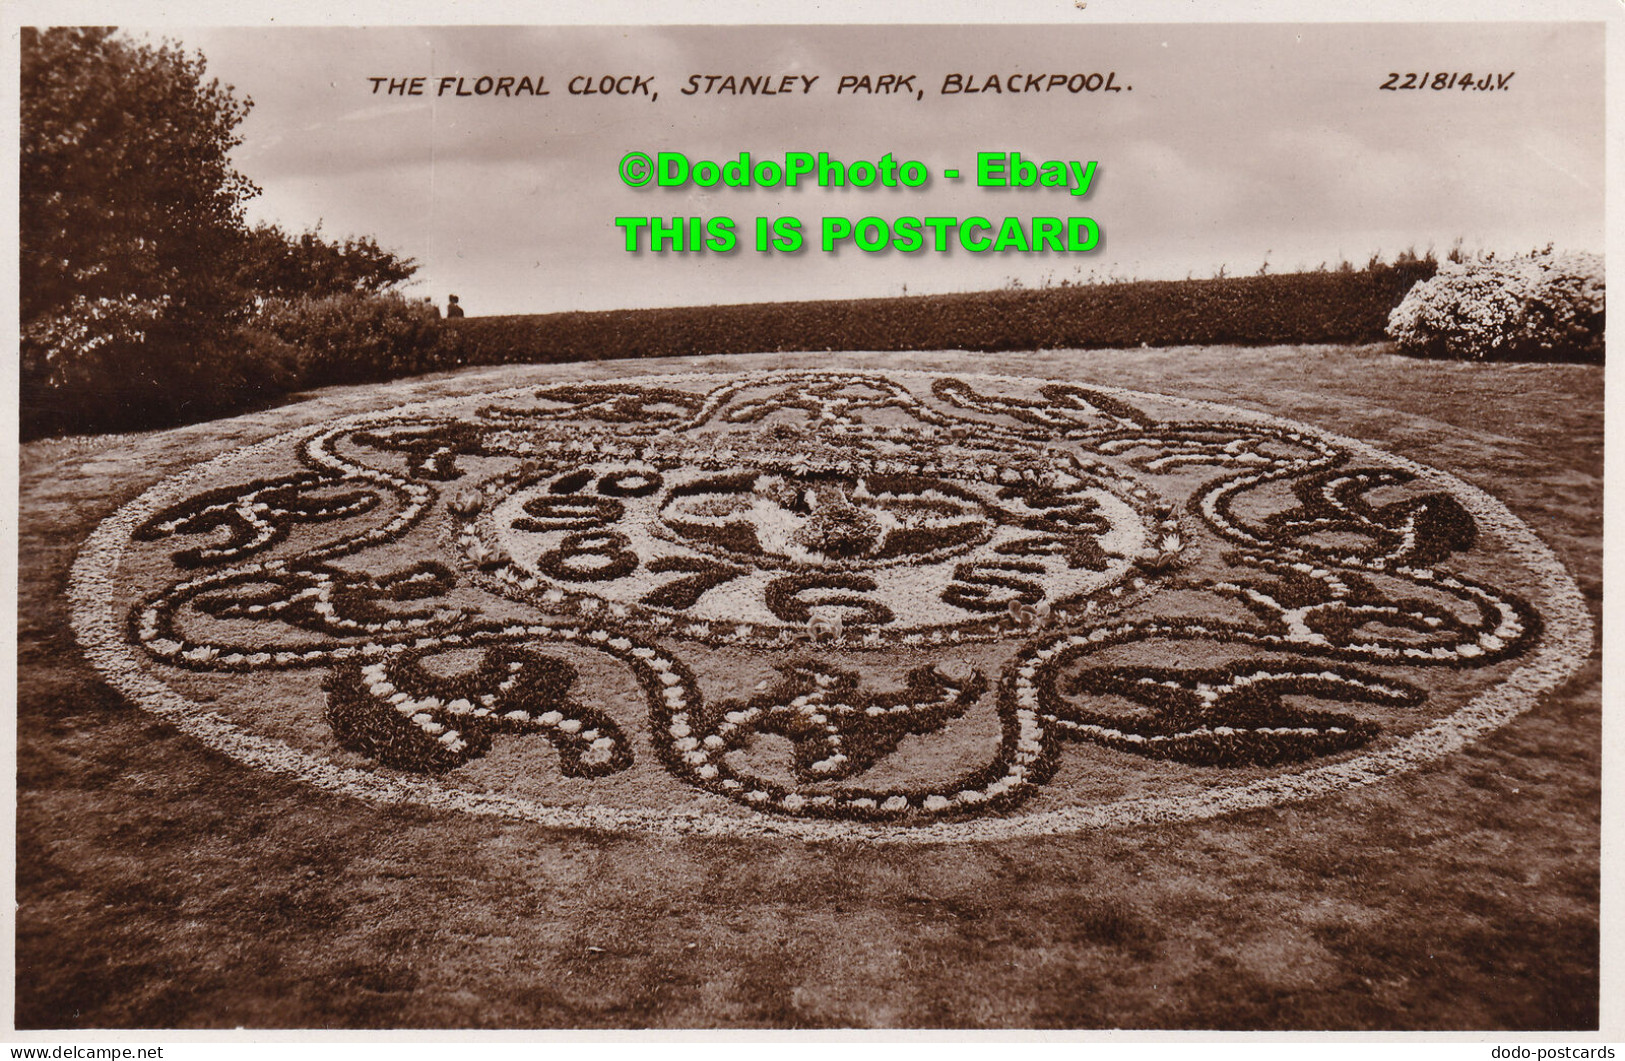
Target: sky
column 1233, row 146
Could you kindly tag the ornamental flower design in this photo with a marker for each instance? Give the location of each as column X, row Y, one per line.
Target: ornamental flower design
column 878, row 605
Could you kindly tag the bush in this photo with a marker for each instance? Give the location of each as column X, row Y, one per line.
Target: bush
column 114, row 368
column 1544, row 307
column 121, row 364
column 358, row 337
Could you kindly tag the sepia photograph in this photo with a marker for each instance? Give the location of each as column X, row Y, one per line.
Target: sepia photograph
column 539, row 521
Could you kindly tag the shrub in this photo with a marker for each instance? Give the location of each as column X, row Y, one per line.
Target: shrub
column 60, row 348
column 138, row 277
column 1543, row 307
column 358, row 337
column 114, row 367
column 126, row 189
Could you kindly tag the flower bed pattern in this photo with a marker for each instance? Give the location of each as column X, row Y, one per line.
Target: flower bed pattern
column 877, row 605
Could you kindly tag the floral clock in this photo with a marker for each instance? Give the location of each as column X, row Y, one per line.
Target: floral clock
column 887, row 606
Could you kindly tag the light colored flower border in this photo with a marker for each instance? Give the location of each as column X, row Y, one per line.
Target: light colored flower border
column 1567, row 642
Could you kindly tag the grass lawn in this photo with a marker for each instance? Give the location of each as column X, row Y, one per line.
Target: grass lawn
column 161, row 885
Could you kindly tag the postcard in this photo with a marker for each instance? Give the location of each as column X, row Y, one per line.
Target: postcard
column 1089, row 524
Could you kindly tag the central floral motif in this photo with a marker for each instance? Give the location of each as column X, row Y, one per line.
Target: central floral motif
column 824, row 521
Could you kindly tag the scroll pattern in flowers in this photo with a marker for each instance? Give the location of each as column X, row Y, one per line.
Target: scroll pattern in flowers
column 853, row 596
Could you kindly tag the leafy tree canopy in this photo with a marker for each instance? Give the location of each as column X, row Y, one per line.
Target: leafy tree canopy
column 144, row 294
column 130, row 205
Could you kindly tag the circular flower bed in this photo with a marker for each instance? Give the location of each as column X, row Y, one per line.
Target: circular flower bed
column 883, row 605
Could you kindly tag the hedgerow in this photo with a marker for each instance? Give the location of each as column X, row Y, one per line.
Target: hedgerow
column 1327, row 307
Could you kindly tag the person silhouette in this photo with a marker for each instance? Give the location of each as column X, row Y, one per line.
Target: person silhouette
column 452, row 308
